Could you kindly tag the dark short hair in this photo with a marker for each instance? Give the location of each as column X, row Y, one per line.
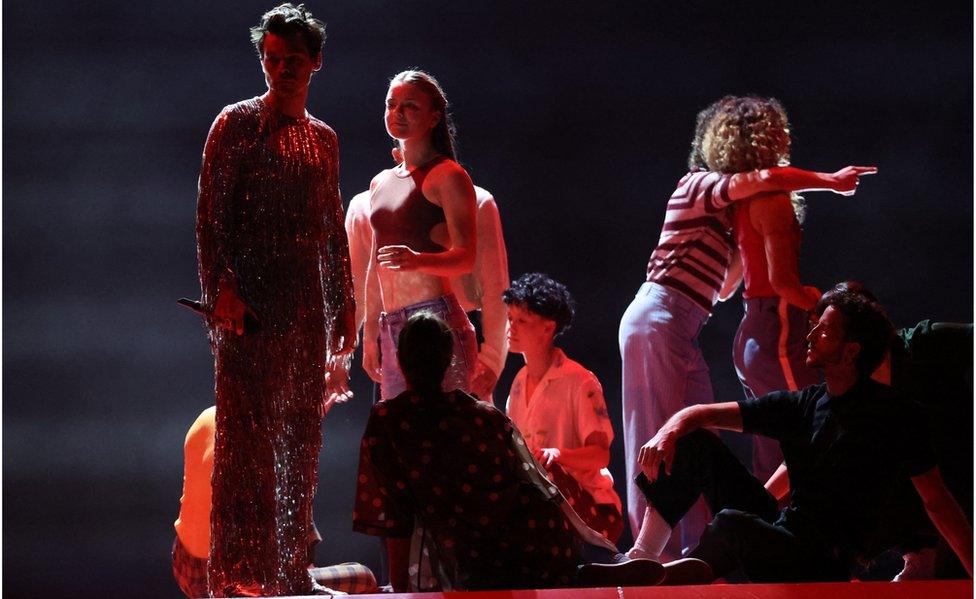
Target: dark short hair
column 288, row 20
column 424, row 350
column 542, row 295
column 865, row 322
column 843, row 287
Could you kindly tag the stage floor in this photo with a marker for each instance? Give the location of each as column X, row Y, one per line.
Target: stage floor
column 936, row 589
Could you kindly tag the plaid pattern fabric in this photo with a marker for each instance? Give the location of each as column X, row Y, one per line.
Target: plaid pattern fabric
column 604, row 518
column 349, row 577
column 190, row 572
column 191, row 575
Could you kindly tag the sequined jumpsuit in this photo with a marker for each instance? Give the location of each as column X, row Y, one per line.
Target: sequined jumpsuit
column 270, row 218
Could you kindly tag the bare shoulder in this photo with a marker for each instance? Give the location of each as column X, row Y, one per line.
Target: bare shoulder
column 448, row 181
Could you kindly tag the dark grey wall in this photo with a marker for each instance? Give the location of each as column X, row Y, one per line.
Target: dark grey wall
column 578, row 119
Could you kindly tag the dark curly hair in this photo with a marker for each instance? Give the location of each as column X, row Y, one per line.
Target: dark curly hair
column 288, row 20
column 424, row 350
column 865, row 322
column 855, row 287
column 542, row 295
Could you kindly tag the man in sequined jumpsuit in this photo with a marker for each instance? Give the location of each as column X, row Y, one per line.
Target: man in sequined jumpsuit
column 272, row 250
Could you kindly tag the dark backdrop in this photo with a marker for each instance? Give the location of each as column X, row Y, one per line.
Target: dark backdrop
column 577, row 118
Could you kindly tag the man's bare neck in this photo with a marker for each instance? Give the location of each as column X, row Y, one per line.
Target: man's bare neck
column 292, row 106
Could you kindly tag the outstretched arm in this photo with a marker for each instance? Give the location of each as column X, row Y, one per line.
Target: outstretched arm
column 662, row 445
column 946, row 515
column 790, row 178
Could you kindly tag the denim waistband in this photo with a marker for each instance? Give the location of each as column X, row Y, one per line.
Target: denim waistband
column 673, row 298
column 761, row 302
column 446, row 304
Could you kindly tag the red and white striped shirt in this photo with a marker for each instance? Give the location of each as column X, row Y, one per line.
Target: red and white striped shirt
column 695, row 248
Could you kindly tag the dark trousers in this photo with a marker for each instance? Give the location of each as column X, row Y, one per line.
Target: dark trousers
column 745, row 534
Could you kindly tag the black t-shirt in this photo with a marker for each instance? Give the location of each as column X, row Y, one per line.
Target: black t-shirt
column 932, row 364
column 846, row 456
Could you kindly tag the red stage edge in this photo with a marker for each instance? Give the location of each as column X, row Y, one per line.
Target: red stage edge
column 934, row 589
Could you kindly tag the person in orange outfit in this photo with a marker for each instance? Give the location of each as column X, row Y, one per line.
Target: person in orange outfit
column 192, row 543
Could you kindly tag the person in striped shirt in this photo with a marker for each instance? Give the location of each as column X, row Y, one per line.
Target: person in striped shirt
column 693, row 266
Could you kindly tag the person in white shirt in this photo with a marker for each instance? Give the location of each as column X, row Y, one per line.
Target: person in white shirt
column 558, row 405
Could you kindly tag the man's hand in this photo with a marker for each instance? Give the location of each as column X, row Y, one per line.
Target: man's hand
column 659, row 450
column 398, row 257
column 371, row 360
column 483, row 381
column 846, row 180
column 344, row 335
column 547, row 456
column 336, row 383
column 229, row 309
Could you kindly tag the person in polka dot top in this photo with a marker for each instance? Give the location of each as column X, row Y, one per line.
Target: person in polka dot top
column 450, row 484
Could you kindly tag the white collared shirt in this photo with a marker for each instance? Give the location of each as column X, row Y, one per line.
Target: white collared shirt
column 566, row 407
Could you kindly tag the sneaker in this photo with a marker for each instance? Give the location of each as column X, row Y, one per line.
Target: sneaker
column 918, row 566
column 629, row 573
column 635, row 553
column 687, row 571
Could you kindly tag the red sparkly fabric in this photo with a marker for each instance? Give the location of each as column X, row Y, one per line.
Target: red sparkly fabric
column 454, row 473
column 269, row 215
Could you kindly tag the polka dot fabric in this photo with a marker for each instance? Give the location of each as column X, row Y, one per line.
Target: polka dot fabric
column 457, row 467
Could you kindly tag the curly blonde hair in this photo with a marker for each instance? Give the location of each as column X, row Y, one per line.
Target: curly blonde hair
column 743, row 133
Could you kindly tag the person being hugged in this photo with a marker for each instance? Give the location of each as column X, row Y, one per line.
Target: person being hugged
column 692, row 267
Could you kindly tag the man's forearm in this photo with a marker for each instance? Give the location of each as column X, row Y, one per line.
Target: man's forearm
column 718, row 415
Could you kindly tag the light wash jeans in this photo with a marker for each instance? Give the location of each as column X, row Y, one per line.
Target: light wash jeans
column 458, row 374
column 663, row 372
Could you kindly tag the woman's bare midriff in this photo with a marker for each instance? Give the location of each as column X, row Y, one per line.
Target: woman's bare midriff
column 401, row 289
